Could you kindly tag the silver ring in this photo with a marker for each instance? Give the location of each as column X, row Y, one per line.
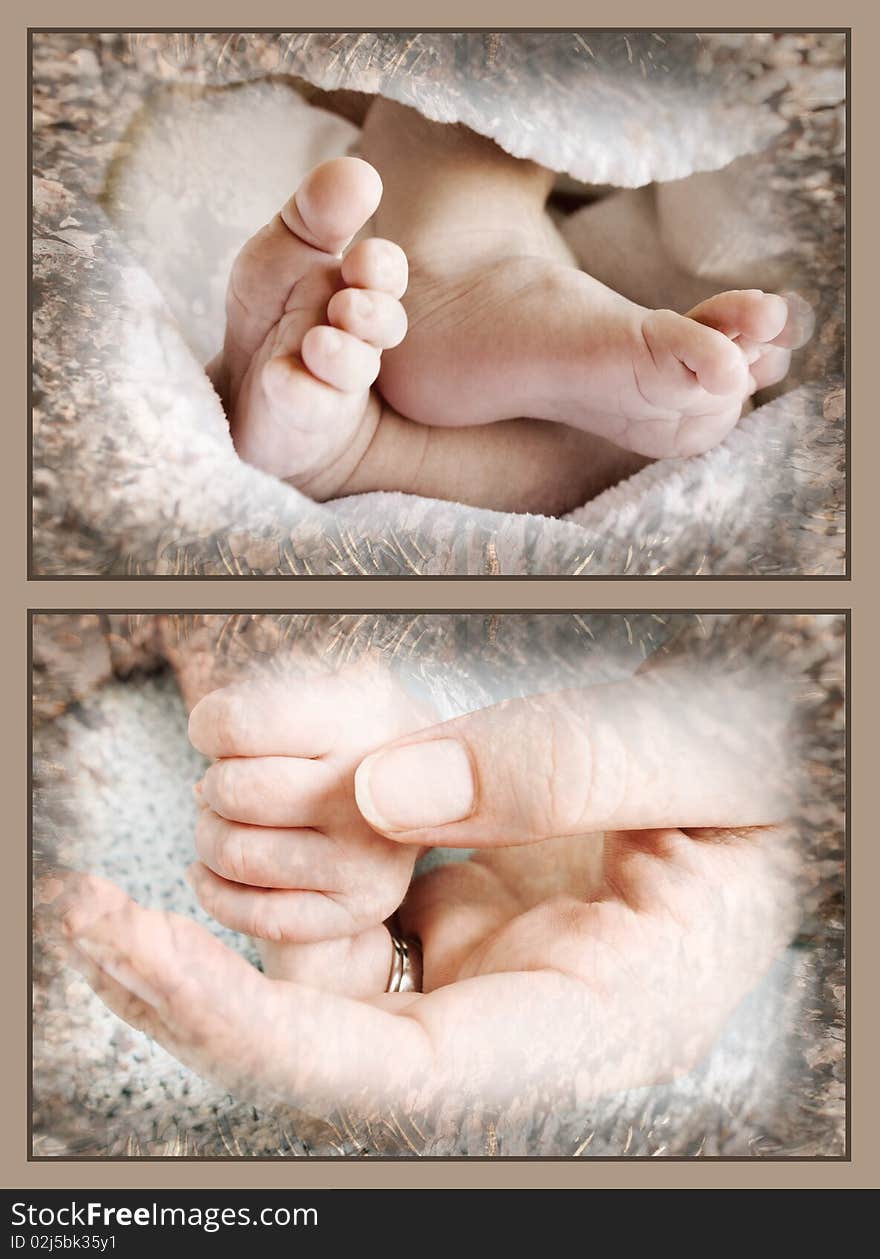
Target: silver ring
column 406, row 964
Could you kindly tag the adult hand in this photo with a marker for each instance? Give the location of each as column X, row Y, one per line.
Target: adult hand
column 548, row 973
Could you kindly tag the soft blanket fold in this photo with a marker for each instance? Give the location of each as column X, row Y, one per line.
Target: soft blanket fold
column 134, row 470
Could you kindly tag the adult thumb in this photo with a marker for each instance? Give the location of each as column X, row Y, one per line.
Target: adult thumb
column 646, row 753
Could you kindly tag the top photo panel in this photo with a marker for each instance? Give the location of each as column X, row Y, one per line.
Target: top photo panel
column 456, row 304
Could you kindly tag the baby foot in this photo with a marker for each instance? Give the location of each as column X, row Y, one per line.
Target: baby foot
column 503, row 323
column 546, row 340
column 303, row 336
column 305, row 329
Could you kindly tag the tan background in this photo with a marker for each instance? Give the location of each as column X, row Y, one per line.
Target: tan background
column 860, row 593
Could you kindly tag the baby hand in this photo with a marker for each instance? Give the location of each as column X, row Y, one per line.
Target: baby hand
column 285, row 855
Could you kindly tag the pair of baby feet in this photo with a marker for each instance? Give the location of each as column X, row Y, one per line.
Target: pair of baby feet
column 495, row 335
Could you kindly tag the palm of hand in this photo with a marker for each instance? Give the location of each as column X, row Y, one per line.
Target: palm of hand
column 648, row 940
column 549, row 985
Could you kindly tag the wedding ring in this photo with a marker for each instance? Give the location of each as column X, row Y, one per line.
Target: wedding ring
column 406, row 964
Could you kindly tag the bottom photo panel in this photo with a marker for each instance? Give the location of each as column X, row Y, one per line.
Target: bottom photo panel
column 419, row 885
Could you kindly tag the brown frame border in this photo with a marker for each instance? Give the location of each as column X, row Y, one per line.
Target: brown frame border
column 861, row 596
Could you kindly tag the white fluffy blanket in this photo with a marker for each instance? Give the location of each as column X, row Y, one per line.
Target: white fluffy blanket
column 140, row 457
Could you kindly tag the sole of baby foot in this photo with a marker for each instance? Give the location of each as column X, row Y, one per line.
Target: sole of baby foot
column 532, row 336
column 306, row 326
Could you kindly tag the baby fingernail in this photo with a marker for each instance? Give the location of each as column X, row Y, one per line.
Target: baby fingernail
column 416, row 787
column 120, row 971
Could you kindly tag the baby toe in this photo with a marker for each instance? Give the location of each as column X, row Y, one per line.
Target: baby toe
column 748, row 313
column 765, row 317
column 799, row 323
column 751, row 350
column 333, row 202
column 770, row 367
column 371, row 316
column 339, row 359
column 717, row 363
column 376, row 264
